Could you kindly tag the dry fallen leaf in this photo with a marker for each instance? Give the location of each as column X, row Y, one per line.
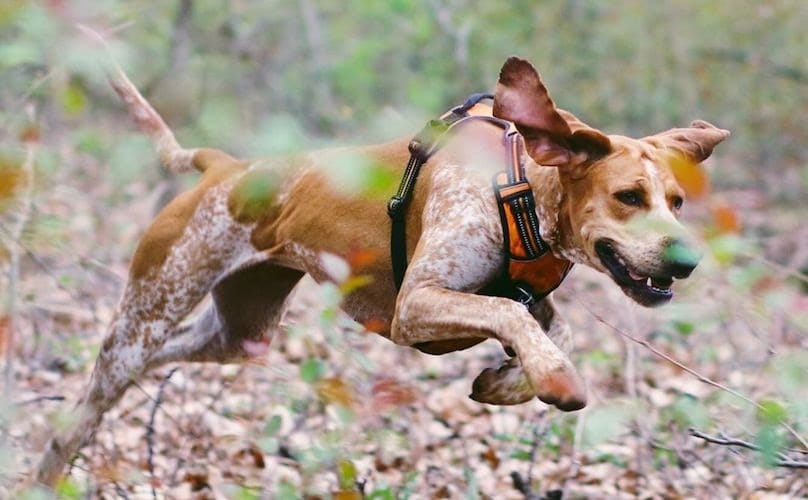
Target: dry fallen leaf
column 335, row 390
column 726, row 218
column 691, row 176
column 389, row 393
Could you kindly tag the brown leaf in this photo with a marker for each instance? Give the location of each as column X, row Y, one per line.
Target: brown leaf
column 252, row 452
column 335, row 390
column 359, row 258
column 490, row 456
column 389, row 393
column 347, row 495
column 4, row 322
column 726, row 218
column 691, row 176
column 30, row 134
column 197, row 478
column 375, row 324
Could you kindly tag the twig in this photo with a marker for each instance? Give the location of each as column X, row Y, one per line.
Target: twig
column 46, row 269
column 38, row 399
column 150, row 429
column 18, row 213
column 691, row 371
column 575, row 461
column 782, row 459
column 523, row 487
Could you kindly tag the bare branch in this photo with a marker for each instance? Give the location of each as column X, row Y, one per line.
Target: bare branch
column 691, row 371
column 782, row 460
column 150, row 428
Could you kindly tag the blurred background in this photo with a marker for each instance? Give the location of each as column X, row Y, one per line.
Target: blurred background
column 78, row 185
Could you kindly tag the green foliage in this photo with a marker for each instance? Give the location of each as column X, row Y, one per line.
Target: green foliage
column 606, row 422
column 311, row 370
column 688, row 411
column 68, row 489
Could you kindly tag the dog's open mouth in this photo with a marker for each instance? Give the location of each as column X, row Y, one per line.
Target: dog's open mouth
column 645, row 290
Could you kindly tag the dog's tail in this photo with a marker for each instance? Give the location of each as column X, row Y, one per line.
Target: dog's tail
column 173, row 156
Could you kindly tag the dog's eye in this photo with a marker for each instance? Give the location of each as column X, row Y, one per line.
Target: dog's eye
column 677, row 202
column 629, row 197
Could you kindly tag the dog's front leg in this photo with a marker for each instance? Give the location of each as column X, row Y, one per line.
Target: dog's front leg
column 429, row 313
column 508, row 384
column 553, row 323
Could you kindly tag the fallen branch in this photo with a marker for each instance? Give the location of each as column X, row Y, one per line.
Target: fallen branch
column 691, row 371
column 783, row 460
column 150, row 429
column 38, row 399
column 523, row 487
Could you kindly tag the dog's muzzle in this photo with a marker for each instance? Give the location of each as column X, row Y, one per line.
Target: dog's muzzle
column 652, row 290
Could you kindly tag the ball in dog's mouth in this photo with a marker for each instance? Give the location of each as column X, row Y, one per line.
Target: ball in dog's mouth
column 645, row 290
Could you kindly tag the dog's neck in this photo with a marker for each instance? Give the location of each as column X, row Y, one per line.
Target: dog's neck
column 553, row 219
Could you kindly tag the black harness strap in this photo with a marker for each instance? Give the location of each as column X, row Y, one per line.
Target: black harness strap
column 421, row 147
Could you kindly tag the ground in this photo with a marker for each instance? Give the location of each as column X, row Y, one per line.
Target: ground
column 331, row 410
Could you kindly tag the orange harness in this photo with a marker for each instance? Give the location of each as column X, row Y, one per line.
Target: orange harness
column 531, row 270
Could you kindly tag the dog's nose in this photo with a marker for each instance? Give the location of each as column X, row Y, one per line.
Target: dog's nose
column 680, row 258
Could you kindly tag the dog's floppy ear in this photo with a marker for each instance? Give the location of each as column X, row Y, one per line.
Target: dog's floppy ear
column 696, row 142
column 522, row 98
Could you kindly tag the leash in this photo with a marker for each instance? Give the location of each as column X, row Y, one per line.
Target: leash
column 531, row 271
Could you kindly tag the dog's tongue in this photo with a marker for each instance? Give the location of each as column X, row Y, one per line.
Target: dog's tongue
column 636, row 277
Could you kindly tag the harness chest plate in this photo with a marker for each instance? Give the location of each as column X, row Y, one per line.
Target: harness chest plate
column 531, row 271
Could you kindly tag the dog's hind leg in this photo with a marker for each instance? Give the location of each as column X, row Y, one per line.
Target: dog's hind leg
column 246, row 309
column 159, row 294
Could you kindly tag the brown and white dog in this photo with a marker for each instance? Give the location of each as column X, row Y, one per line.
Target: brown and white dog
column 249, row 230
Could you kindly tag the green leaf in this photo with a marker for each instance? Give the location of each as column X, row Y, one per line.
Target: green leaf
column 287, row 491
column 346, row 474
column 771, row 412
column 74, row 99
column 688, row 411
column 312, row 370
column 381, row 493
column 68, row 489
column 684, row 327
column 521, row 455
column 273, row 425
column 245, row 493
column 770, row 442
column 605, row 423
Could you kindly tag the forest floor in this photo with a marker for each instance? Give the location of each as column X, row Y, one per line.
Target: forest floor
column 332, row 411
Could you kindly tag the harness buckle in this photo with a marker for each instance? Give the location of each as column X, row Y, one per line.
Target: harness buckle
column 395, row 208
column 523, row 294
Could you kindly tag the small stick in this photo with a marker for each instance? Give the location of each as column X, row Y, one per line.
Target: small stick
column 150, row 428
column 691, row 371
column 721, row 439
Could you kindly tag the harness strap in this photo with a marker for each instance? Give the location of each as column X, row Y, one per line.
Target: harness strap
column 531, row 270
column 421, row 148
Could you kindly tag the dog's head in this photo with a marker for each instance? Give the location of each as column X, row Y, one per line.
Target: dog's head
column 621, row 198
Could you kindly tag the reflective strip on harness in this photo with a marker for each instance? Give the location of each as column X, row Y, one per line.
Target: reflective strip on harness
column 532, row 269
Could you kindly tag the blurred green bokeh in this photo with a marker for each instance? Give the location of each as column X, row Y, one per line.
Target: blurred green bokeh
column 271, row 76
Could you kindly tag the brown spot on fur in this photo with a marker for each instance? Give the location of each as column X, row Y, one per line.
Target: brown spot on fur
column 170, row 224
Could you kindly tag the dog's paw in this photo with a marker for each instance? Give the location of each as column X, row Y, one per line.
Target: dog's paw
column 506, row 385
column 562, row 388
